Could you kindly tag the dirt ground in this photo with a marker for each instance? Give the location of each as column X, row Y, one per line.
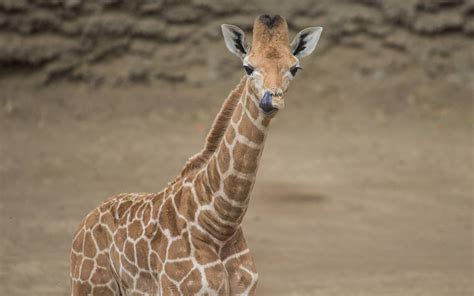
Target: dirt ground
column 365, row 186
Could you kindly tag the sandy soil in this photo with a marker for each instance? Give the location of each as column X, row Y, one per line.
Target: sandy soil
column 364, row 188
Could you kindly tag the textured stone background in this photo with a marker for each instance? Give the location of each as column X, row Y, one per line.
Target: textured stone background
column 117, row 41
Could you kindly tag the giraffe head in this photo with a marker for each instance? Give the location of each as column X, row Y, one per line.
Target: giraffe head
column 271, row 62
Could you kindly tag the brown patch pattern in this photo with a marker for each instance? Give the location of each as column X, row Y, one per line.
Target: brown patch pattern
column 168, row 243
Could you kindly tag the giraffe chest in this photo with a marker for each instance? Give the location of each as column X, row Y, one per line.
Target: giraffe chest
column 174, row 267
column 193, row 267
column 168, row 255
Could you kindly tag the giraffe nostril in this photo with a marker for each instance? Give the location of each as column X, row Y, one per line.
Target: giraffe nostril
column 276, row 93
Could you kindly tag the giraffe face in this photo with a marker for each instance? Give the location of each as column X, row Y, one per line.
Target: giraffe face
column 271, row 62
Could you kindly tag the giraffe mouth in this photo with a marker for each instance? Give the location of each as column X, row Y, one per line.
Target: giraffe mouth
column 270, row 104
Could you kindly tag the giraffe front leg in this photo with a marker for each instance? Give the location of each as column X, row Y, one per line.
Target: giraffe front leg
column 240, row 266
column 243, row 275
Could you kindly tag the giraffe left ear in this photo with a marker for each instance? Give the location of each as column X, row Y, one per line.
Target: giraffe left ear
column 305, row 41
column 234, row 39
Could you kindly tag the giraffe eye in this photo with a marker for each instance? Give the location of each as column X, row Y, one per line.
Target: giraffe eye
column 294, row 69
column 248, row 69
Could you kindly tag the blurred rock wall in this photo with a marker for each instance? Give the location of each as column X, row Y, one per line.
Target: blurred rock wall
column 139, row 41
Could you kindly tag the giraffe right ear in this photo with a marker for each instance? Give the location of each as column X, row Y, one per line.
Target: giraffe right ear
column 234, row 39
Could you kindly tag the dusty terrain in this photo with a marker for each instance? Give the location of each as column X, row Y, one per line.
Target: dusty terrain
column 364, row 188
column 366, row 182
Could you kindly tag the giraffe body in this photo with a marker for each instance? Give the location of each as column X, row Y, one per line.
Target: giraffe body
column 151, row 260
column 187, row 239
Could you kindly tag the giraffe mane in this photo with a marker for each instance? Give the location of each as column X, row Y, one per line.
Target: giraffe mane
column 215, row 135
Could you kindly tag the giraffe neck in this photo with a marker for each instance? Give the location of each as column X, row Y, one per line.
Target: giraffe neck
column 231, row 170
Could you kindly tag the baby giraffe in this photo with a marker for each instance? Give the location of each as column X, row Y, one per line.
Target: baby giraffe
column 187, row 239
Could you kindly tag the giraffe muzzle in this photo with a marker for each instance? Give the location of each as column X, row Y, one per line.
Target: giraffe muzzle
column 270, row 103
